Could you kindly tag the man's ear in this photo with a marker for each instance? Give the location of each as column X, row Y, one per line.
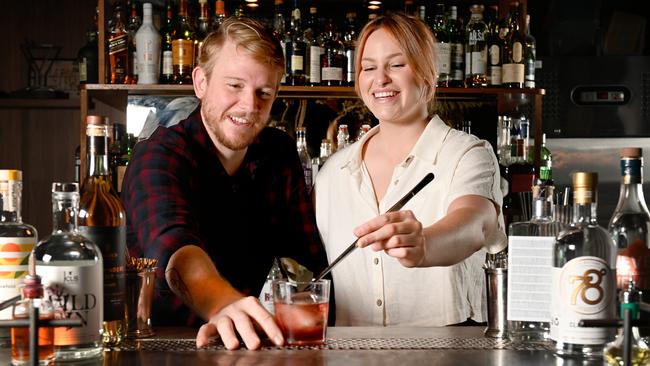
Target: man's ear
column 200, row 81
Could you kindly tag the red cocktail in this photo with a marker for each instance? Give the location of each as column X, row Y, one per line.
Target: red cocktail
column 302, row 316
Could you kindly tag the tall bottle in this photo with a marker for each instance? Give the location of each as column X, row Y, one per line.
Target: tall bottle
column 629, row 226
column 495, row 46
column 350, row 42
column 32, row 297
column 521, row 172
column 182, row 46
column 439, row 28
column 584, row 283
column 332, row 61
column 147, row 41
column 314, row 41
column 457, row 44
column 71, row 268
column 87, row 58
column 202, row 29
column 132, row 27
column 118, row 47
column 167, row 69
column 279, row 31
column 476, row 49
column 513, row 52
column 16, row 238
column 530, row 56
column 303, row 153
column 219, row 14
column 295, row 49
column 530, row 261
column 102, row 219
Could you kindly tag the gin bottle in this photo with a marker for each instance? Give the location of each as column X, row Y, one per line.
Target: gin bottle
column 630, row 227
column 17, row 240
column 476, row 49
column 530, row 257
column 71, row 268
column 584, row 285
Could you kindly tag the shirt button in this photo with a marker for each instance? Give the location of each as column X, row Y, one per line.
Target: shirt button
column 396, row 181
column 376, row 261
column 379, row 302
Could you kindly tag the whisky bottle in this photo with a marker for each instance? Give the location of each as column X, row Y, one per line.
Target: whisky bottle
column 279, row 31
column 495, row 46
column 32, row 297
column 314, row 40
column 219, row 14
column 17, row 240
column 439, row 27
column 584, row 283
column 332, row 61
column 457, row 44
column 303, row 153
column 118, row 47
column 349, row 42
column 530, row 56
column 476, row 49
column 70, row 266
column 513, row 52
column 202, row 29
column 629, row 226
column 102, row 219
column 87, row 57
column 132, row 27
column 148, row 48
column 182, row 46
column 295, row 49
column 166, row 59
column 530, row 257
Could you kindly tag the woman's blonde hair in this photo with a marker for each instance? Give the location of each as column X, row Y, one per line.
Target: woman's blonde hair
column 417, row 43
column 248, row 35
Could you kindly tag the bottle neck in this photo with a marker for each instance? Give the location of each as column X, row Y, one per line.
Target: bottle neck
column 631, row 190
column 584, row 206
column 10, row 201
column 97, row 155
column 65, row 207
column 543, row 209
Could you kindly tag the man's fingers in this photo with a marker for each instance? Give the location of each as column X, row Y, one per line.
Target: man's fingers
column 265, row 320
column 227, row 331
column 205, row 332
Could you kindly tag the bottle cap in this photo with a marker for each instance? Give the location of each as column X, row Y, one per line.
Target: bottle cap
column 586, row 180
column 33, row 288
column 95, row 120
column 631, row 152
column 11, row 174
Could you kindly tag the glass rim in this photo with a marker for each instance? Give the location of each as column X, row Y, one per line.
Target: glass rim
column 322, row 281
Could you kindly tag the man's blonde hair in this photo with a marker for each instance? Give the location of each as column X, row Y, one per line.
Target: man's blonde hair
column 248, row 35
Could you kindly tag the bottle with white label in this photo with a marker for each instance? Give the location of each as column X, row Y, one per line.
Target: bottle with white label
column 17, row 240
column 530, row 255
column 71, row 270
column 266, row 295
column 476, row 49
column 584, row 278
column 513, row 53
column 147, row 41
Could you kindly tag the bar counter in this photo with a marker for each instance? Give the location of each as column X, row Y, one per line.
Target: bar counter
column 347, row 346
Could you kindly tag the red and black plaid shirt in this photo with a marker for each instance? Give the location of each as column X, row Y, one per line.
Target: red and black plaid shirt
column 176, row 192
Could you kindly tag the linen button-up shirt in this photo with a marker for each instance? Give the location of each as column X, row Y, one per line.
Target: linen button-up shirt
column 373, row 288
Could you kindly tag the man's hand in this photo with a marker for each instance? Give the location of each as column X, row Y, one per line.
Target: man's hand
column 241, row 317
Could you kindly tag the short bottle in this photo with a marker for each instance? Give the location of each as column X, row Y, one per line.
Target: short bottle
column 147, row 40
column 342, row 137
column 325, row 152
column 530, row 256
column 70, row 266
column 584, row 283
column 16, row 237
column 365, row 128
column 32, row 296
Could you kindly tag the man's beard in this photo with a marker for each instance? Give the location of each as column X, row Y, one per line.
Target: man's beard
column 216, row 123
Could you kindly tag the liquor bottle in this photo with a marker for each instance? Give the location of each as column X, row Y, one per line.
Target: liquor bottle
column 77, row 163
column 148, row 49
column 116, row 135
column 530, row 56
column 350, row 42
column 182, row 46
column 167, row 69
column 513, row 52
column 439, row 27
column 325, row 152
column 476, row 49
column 520, row 172
column 266, row 295
column 303, row 153
column 545, row 161
column 409, row 8
column 314, row 41
column 279, row 30
column 295, row 49
column 363, row 131
column 118, row 47
column 342, row 137
column 584, row 269
column 87, row 58
column 132, row 27
column 240, row 12
column 495, row 46
column 32, row 297
column 530, row 260
column 219, row 14
column 16, row 237
column 629, row 226
column 332, row 61
column 102, row 219
column 629, row 298
column 71, row 268
column 457, row 44
column 202, row 29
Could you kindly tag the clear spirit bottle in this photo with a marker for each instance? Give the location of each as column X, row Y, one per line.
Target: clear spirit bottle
column 314, row 40
column 530, row 258
column 295, row 48
column 17, row 239
column 584, row 284
column 325, row 152
column 476, row 49
column 266, row 295
column 439, row 27
column 342, row 137
column 71, row 268
column 629, row 226
column 303, row 154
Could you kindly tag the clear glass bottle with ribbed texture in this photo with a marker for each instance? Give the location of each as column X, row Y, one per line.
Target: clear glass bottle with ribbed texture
column 70, row 266
column 584, row 284
column 530, row 256
column 17, row 240
column 303, row 154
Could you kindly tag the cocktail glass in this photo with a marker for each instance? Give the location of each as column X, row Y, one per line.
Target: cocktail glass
column 301, row 310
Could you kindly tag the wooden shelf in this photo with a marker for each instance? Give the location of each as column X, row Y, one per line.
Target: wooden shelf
column 22, row 103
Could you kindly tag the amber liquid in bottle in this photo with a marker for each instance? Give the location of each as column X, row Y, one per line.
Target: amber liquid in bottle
column 20, row 342
column 102, row 219
column 182, row 47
